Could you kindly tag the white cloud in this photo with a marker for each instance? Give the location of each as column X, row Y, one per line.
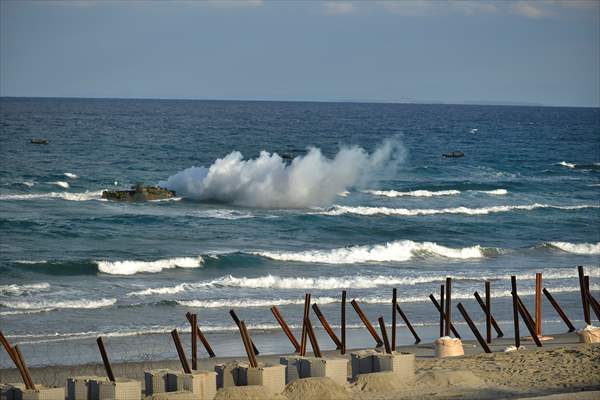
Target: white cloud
column 338, row 7
column 529, row 9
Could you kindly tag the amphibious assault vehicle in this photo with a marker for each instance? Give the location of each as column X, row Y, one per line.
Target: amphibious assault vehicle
column 139, row 192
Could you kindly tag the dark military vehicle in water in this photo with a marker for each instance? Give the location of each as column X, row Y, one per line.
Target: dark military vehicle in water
column 139, row 193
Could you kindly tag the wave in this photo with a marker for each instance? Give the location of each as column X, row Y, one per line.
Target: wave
column 71, row 175
column 249, row 303
column 54, row 305
column 343, row 282
column 402, row 250
column 577, row 248
column 495, row 192
column 415, row 193
column 28, row 183
column 337, row 209
column 82, row 196
column 62, row 184
column 18, row 290
column 131, row 267
column 587, row 166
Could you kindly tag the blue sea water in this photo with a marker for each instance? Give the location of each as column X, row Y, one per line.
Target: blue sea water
column 524, row 199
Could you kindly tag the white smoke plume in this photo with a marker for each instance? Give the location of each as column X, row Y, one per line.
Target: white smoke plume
column 267, row 181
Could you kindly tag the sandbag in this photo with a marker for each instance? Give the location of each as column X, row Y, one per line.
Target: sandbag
column 589, row 334
column 448, row 347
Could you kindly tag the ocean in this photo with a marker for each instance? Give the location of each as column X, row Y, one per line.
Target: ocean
column 285, row 198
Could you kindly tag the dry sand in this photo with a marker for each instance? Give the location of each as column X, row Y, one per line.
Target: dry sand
column 563, row 369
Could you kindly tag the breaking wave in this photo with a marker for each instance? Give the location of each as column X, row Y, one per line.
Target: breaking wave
column 402, row 250
column 342, row 282
column 577, row 248
column 337, row 209
column 233, row 303
column 429, row 193
column 71, row 175
column 62, row 184
column 268, row 181
column 18, row 290
column 130, row 267
column 53, row 305
column 415, row 193
column 588, row 166
column 83, row 196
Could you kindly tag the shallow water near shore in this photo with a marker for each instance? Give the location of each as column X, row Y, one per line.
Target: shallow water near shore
column 524, row 199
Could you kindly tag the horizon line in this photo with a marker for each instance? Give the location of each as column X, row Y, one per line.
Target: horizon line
column 357, row 101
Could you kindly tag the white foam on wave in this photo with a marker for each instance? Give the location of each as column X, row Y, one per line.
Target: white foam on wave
column 249, row 303
column 82, row 196
column 364, row 210
column 21, row 312
column 130, row 267
column 62, row 184
column 495, row 192
column 31, row 261
column 401, row 250
column 53, row 305
column 17, row 290
column 71, row 175
column 567, row 164
column 341, row 282
column 577, row 248
column 415, row 193
column 28, row 183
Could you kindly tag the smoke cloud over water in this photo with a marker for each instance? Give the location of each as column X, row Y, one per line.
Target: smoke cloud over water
column 268, row 181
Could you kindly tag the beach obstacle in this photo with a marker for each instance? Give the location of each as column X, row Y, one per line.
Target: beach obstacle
column 237, row 322
column 408, row 324
column 482, row 304
column 520, row 309
column 394, row 304
column 446, row 346
column 591, row 300
column 272, row 377
column 182, row 358
column 372, row 361
column 194, row 324
column 448, row 306
column 118, row 389
column 201, row 336
column 343, row 323
column 313, row 339
column 488, row 312
column 441, row 311
column 584, row 296
column 14, row 355
column 303, row 337
column 286, row 329
column 474, row 329
column 367, row 323
column 326, row 326
column 559, row 310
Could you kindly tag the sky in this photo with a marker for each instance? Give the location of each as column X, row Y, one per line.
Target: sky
column 542, row 52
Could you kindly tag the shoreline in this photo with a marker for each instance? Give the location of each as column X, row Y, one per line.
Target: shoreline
column 563, row 365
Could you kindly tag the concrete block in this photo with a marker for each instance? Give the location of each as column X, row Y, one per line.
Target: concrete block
column 84, row 387
column 121, row 389
column 401, row 364
column 272, row 377
column 11, row 391
column 231, row 374
column 362, row 362
column 334, row 368
column 202, row 384
column 155, row 381
column 43, row 393
column 293, row 365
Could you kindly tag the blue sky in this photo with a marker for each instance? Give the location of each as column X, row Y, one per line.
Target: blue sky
column 450, row 51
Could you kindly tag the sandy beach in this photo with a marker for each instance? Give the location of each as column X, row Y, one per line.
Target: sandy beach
column 562, row 369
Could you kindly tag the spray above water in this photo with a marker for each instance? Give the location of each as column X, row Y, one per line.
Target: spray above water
column 267, row 181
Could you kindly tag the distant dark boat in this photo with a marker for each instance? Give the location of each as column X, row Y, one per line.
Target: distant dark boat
column 453, row 154
column 39, row 141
